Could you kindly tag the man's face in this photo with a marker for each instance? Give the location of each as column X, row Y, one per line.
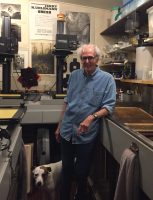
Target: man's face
column 89, row 60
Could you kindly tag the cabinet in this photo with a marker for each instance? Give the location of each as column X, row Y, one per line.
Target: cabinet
column 118, row 29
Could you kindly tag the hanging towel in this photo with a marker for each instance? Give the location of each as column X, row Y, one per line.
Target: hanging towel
column 22, row 193
column 127, row 187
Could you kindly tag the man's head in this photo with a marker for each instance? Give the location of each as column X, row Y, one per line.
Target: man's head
column 89, row 55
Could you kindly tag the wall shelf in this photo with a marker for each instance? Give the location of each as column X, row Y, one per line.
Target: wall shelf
column 123, row 49
column 146, row 82
column 115, row 64
column 119, row 26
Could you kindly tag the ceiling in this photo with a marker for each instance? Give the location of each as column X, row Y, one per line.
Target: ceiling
column 105, row 4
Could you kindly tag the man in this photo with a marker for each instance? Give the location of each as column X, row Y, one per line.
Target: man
column 91, row 95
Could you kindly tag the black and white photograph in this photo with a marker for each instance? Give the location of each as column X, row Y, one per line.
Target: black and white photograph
column 20, row 61
column 42, row 58
column 78, row 23
column 11, row 10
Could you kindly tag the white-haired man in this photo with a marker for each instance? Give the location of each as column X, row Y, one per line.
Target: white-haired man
column 91, row 95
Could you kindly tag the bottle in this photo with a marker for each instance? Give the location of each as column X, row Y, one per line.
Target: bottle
column 120, row 95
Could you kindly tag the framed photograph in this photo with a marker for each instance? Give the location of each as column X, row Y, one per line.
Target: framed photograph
column 78, row 23
column 42, row 57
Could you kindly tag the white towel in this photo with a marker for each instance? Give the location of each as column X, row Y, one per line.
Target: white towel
column 127, row 187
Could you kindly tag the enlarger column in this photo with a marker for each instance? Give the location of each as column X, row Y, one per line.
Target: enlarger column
column 6, row 83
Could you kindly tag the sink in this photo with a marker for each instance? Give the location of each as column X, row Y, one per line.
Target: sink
column 136, row 119
column 132, row 115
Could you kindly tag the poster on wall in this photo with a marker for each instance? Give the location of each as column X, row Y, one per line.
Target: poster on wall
column 43, row 20
column 42, row 57
column 78, row 23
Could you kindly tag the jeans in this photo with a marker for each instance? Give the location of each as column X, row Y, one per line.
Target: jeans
column 76, row 160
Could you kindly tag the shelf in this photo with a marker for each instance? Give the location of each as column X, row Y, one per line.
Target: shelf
column 123, row 49
column 146, row 82
column 128, row 48
column 119, row 26
column 113, row 64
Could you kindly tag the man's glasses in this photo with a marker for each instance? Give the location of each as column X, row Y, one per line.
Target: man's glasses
column 90, row 58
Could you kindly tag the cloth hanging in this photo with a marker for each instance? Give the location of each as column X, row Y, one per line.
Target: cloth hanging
column 127, row 187
column 22, row 192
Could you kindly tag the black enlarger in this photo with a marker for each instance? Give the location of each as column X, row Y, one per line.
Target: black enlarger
column 8, row 48
column 63, row 47
column 60, row 54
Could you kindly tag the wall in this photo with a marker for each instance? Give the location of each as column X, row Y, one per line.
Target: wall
column 99, row 21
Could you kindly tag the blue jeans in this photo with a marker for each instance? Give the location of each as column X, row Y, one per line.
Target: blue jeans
column 76, row 160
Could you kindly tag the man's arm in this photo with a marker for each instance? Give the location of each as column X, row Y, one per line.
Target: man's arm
column 86, row 123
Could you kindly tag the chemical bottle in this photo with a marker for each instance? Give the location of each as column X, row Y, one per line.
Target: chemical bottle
column 120, row 95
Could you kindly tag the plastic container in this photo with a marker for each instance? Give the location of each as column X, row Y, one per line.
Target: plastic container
column 128, row 7
column 144, row 61
column 140, row 2
column 150, row 21
column 120, row 95
column 115, row 10
column 125, row 2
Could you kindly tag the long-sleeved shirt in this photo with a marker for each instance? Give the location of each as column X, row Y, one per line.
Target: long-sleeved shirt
column 85, row 96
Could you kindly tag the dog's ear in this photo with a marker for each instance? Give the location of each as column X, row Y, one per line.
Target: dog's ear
column 49, row 169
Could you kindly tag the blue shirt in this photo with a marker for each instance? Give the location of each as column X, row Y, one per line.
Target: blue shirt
column 85, row 96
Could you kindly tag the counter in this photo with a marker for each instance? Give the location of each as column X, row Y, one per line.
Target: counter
column 115, row 137
column 43, row 112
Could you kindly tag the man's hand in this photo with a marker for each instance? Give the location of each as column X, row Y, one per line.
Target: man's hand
column 84, row 126
column 57, row 135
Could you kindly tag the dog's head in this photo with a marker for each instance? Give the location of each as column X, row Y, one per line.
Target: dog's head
column 40, row 175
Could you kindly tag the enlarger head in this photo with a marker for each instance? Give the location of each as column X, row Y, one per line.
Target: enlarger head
column 8, row 39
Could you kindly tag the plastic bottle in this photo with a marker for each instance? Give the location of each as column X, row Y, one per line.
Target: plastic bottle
column 121, row 95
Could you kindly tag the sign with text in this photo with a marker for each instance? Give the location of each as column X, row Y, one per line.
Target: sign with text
column 43, row 20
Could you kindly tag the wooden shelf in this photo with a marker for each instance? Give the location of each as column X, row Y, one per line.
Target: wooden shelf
column 146, row 82
column 119, row 26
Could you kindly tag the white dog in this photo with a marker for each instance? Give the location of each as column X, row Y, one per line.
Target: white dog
column 48, row 177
